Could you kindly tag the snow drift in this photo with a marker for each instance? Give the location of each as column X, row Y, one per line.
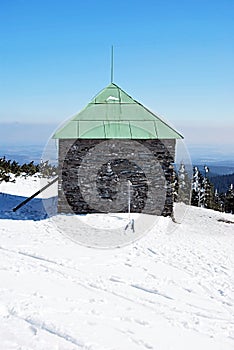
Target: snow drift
column 163, row 292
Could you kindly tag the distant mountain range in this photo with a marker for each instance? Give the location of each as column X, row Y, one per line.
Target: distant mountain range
column 22, row 154
column 218, row 168
column 222, row 182
column 215, row 170
column 28, row 152
column 26, row 142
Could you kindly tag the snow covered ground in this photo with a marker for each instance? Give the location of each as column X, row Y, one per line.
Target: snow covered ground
column 164, row 292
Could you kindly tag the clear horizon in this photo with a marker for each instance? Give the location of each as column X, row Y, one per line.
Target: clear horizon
column 38, row 133
column 30, row 139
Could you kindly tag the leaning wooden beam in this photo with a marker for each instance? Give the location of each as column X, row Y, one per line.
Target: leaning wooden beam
column 35, row 194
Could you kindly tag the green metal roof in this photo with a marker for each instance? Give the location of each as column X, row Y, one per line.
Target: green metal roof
column 114, row 114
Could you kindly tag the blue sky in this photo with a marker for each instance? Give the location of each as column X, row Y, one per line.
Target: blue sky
column 176, row 57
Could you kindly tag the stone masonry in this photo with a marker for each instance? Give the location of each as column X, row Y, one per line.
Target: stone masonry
column 93, row 175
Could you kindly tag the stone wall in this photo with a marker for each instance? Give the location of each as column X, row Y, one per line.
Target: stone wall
column 94, row 174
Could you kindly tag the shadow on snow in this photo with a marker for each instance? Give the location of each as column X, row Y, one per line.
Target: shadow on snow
column 33, row 210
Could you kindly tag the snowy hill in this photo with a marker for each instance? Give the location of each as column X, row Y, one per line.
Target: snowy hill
column 163, row 292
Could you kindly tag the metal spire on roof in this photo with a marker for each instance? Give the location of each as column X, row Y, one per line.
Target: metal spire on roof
column 112, row 64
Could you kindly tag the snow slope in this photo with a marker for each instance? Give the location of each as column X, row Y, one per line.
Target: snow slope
column 164, row 292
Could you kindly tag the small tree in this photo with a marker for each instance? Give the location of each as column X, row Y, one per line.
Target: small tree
column 47, row 169
column 217, row 203
column 196, row 187
column 174, row 185
column 229, row 200
column 207, row 191
column 184, row 185
column 203, row 190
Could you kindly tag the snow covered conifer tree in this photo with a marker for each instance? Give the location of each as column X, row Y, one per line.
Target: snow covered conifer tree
column 196, row 187
column 203, row 193
column 217, row 202
column 229, row 200
column 207, row 191
column 174, row 185
column 184, row 185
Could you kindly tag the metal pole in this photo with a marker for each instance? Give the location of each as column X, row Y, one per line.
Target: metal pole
column 130, row 222
column 112, row 64
column 35, row 194
column 129, row 200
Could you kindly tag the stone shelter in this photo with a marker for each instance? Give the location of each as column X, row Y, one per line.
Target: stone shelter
column 113, row 141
